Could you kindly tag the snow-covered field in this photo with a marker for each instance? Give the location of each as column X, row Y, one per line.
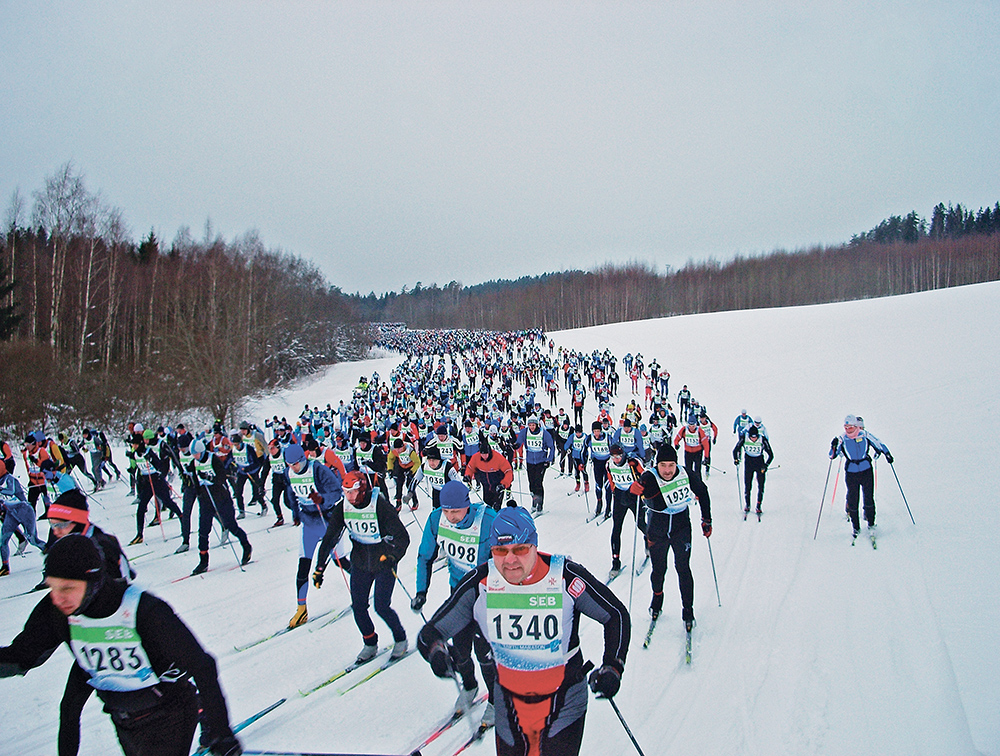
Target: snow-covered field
column 817, row 648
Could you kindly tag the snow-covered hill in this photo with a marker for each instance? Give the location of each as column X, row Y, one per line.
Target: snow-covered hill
column 817, row 647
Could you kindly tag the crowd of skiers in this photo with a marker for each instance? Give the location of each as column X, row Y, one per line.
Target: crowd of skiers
column 453, row 421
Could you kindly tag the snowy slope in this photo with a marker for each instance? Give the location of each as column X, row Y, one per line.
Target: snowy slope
column 818, row 647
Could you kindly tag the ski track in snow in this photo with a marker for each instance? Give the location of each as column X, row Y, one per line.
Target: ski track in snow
column 818, row 647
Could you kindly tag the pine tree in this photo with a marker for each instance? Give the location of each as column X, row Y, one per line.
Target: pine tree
column 9, row 319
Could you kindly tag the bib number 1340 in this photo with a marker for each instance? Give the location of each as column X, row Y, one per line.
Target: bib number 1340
column 535, row 626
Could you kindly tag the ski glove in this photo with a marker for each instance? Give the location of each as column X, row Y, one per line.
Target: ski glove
column 318, row 577
column 316, row 498
column 418, row 601
column 736, row 462
column 834, row 444
column 227, row 746
column 605, row 681
column 706, row 528
column 888, row 458
column 440, row 659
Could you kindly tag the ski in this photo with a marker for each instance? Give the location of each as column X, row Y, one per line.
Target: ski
column 475, row 738
column 282, row 631
column 204, row 750
column 641, row 567
column 338, row 616
column 612, row 575
column 593, row 517
column 342, row 673
column 447, row 724
column 649, row 633
column 374, row 672
column 212, row 569
column 312, row 753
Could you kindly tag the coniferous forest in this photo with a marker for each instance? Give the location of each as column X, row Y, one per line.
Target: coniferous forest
column 96, row 326
column 899, row 256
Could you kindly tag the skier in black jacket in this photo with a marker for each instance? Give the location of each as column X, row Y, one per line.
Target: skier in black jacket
column 148, row 669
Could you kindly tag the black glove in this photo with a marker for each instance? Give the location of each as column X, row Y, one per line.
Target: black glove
column 227, row 746
column 888, row 458
column 440, row 660
column 318, row 576
column 418, row 601
column 706, row 528
column 736, row 461
column 605, row 681
column 834, row 444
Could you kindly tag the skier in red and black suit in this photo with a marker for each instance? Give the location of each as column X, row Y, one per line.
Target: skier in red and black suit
column 540, row 694
column 492, row 471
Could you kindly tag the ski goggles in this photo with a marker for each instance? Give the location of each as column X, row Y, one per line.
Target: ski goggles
column 521, row 549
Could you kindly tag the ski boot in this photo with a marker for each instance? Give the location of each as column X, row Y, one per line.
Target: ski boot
column 399, row 649
column 465, row 700
column 202, row 565
column 182, row 548
column 300, row 617
column 489, row 717
column 247, row 553
column 367, row 654
column 136, row 540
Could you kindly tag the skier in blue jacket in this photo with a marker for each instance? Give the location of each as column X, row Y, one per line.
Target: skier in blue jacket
column 856, row 445
column 460, row 529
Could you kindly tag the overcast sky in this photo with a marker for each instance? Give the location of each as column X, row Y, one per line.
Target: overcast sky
column 396, row 142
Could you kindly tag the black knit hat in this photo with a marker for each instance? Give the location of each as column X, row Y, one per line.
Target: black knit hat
column 73, row 557
column 666, row 453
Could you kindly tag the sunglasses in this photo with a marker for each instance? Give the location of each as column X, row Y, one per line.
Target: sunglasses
column 521, row 549
column 60, row 525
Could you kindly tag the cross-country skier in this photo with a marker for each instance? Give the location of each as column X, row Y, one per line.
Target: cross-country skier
column 669, row 492
column 378, row 541
column 16, row 511
column 209, row 473
column 163, row 684
column 541, row 452
column 856, row 445
column 757, row 457
column 622, row 472
column 528, row 604
column 315, row 491
column 460, row 530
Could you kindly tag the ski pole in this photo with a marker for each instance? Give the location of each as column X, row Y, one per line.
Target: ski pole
column 822, row 500
column 739, row 488
column 901, row 493
column 211, row 498
column 635, row 538
column 620, row 719
column 709, row 540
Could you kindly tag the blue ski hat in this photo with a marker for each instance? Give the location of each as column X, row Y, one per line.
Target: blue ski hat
column 293, row 454
column 513, row 525
column 454, row 495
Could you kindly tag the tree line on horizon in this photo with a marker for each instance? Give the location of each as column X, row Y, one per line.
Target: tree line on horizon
column 901, row 255
column 97, row 327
